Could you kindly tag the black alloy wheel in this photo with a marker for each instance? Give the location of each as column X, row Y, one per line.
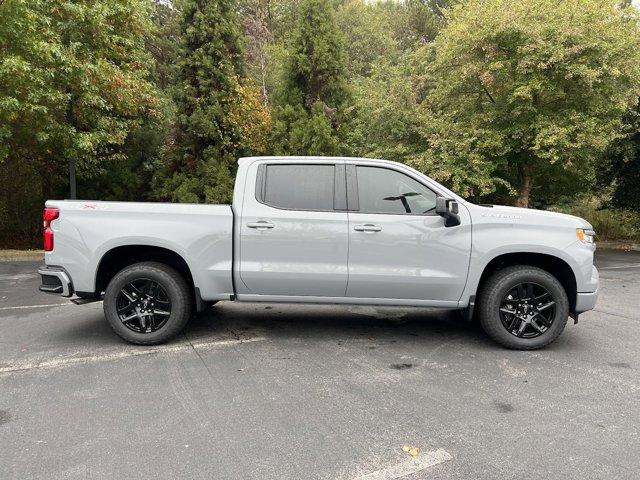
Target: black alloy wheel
column 143, row 305
column 527, row 310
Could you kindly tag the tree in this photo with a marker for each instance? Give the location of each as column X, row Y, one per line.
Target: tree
column 528, row 92
column 129, row 178
column 255, row 15
column 367, row 29
column 73, row 84
column 211, row 132
column 623, row 166
column 309, row 103
column 163, row 41
column 417, row 21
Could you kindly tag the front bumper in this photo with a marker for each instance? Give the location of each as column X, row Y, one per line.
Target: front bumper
column 586, row 301
column 55, row 280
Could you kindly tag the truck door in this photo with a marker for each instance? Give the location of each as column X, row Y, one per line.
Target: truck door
column 399, row 248
column 294, row 230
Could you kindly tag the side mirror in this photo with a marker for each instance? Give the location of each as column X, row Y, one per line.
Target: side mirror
column 448, row 209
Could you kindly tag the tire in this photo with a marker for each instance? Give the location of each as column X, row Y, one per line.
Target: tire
column 172, row 294
column 503, row 285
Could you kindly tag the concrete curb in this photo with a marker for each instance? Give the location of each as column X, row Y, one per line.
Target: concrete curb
column 619, row 245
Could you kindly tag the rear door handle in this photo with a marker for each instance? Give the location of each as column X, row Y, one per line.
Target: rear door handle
column 367, row 227
column 261, row 225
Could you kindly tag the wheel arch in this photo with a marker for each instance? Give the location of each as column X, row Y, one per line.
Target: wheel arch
column 122, row 256
column 552, row 264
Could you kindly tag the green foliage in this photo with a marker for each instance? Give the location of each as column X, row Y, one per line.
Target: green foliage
column 204, row 149
column 609, row 224
column 309, row 102
column 416, row 22
column 73, row 84
column 163, row 41
column 528, row 91
column 622, row 165
column 72, row 78
column 316, row 62
column 387, row 122
column 368, row 36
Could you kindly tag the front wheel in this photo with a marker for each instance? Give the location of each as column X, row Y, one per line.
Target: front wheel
column 523, row 307
column 147, row 303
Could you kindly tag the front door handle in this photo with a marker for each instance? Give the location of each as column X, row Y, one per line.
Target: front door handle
column 260, row 225
column 367, row 227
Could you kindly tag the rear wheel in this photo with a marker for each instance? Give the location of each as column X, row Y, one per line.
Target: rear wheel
column 147, row 303
column 523, row 307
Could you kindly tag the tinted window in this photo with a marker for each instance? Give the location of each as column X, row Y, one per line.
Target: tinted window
column 299, row 187
column 381, row 190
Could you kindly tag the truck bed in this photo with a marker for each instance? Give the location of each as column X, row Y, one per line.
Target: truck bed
column 201, row 234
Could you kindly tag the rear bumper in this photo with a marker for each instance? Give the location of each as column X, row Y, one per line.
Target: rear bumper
column 586, row 301
column 55, row 280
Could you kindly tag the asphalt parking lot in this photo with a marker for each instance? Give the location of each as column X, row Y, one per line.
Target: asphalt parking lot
column 317, row 392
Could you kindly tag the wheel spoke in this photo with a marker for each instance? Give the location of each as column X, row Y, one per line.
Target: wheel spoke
column 521, row 293
column 546, row 322
column 507, row 310
column 530, row 291
column 127, row 295
column 536, row 326
column 541, row 297
column 161, row 312
column 129, row 317
column 514, row 322
column 136, row 290
column 546, row 305
column 126, row 308
column 153, row 290
column 523, row 325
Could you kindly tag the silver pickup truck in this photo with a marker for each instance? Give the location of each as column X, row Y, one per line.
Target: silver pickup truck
column 323, row 230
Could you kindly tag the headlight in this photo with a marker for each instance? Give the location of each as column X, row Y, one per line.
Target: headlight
column 585, row 235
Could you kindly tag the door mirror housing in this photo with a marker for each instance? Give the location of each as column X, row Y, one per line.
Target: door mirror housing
column 448, row 209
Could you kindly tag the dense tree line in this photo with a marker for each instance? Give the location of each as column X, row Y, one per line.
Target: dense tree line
column 533, row 103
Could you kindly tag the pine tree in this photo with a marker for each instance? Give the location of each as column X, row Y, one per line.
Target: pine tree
column 208, row 139
column 310, row 104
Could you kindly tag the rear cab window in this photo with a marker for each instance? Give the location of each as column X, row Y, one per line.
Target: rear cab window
column 310, row 187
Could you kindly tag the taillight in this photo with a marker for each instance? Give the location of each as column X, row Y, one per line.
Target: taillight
column 48, row 216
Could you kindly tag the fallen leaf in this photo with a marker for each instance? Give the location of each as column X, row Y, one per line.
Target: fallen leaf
column 413, row 451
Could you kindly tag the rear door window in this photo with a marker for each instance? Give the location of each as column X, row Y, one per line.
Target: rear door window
column 299, row 187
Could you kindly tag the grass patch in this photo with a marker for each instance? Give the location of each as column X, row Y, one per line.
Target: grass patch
column 12, row 255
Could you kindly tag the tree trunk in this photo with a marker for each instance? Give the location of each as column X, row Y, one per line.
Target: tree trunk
column 526, row 183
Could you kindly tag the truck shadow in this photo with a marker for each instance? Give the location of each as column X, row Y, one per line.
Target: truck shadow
column 289, row 324
column 335, row 323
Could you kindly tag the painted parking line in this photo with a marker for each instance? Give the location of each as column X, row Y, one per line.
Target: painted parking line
column 24, row 307
column 61, row 362
column 409, row 466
